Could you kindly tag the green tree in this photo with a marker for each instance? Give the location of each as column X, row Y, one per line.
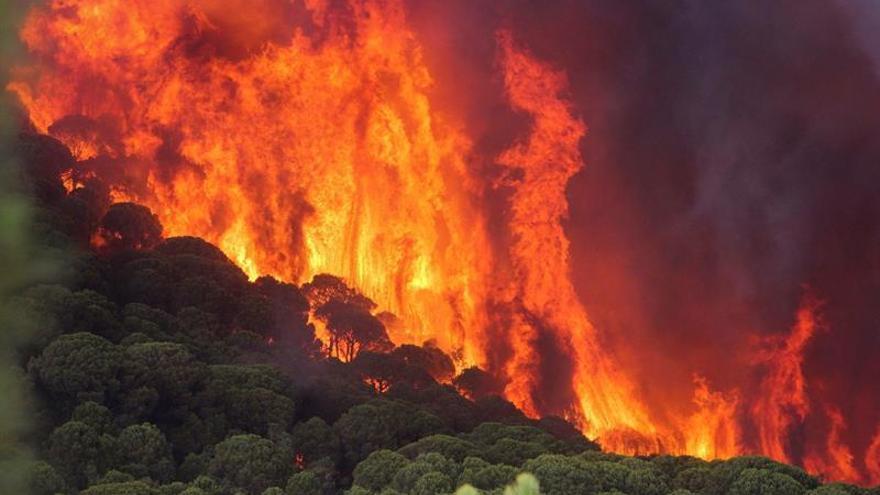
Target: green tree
column 443, row 401
column 125, row 488
column 440, row 463
column 95, row 415
column 245, row 398
column 724, row 474
column 451, row 447
column 89, row 311
column 615, row 476
column 43, row 479
column 304, row 483
column 645, row 482
column 76, row 450
column 406, row 477
column 141, row 318
column 114, row 476
column 671, row 466
column 470, row 466
column 752, row 481
column 694, row 479
column 493, row 476
column 79, row 366
column 378, row 469
column 166, row 367
column 382, row 424
column 54, row 309
column 144, row 451
column 256, row 409
column 433, row 483
column 145, row 281
column 513, row 452
column 248, row 376
column 206, row 485
column 315, row 439
column 364, row 429
column 249, row 463
column 562, row 475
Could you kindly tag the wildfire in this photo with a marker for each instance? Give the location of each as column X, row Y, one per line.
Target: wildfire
column 304, row 138
column 872, row 460
column 304, row 157
column 783, row 400
column 835, row 460
column 546, row 161
column 712, row 432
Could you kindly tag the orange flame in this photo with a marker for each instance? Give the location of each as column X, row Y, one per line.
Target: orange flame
column 872, row 460
column 539, row 253
column 326, row 155
column 782, row 399
column 712, row 431
column 835, row 461
column 286, row 159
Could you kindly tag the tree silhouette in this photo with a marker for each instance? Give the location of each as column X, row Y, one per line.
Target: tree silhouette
column 325, row 288
column 352, row 328
column 129, row 226
column 429, row 358
column 475, row 383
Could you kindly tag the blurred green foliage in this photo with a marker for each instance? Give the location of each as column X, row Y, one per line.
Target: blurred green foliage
column 14, row 210
column 18, row 266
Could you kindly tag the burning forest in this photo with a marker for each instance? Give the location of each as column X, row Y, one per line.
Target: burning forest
column 647, row 227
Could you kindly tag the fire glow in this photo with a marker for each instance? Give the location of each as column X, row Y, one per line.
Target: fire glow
column 319, row 148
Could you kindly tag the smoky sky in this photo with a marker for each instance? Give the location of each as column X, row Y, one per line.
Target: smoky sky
column 732, row 163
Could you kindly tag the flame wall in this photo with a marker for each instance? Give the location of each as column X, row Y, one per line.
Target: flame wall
column 644, row 278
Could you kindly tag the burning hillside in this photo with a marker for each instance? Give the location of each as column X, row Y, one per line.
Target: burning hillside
column 675, row 246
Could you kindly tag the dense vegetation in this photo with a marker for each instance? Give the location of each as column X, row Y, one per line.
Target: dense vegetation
column 157, row 368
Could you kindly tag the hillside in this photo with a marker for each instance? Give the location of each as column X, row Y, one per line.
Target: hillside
column 156, row 367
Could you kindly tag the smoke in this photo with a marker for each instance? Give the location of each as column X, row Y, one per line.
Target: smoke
column 731, row 160
column 865, row 17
